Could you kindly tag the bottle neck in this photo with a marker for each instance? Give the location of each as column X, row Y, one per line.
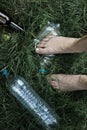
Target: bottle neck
column 9, row 78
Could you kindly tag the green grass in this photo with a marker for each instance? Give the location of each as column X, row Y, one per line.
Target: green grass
column 19, row 57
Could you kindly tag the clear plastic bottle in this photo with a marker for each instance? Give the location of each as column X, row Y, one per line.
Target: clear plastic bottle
column 45, row 60
column 25, row 94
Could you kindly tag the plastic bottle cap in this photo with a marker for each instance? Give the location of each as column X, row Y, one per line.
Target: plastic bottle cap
column 42, row 71
column 4, row 72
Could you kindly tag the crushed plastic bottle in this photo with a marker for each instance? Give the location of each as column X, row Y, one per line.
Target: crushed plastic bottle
column 45, row 60
column 25, row 94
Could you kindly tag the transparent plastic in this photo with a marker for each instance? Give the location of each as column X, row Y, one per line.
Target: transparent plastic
column 45, row 60
column 40, row 110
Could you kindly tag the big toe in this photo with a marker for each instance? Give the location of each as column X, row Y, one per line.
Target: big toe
column 53, row 77
column 41, row 50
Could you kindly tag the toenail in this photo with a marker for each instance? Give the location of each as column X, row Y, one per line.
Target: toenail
column 37, row 49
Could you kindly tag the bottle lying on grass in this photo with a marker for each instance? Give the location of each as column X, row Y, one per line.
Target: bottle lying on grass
column 25, row 94
column 45, row 60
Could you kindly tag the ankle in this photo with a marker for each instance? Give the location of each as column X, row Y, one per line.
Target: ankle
column 83, row 81
column 71, row 42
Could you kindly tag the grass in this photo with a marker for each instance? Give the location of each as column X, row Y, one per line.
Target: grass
column 18, row 56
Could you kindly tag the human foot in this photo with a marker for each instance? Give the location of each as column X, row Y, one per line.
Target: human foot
column 63, row 82
column 55, row 44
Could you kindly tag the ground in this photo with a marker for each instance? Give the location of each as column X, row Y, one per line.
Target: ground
column 17, row 54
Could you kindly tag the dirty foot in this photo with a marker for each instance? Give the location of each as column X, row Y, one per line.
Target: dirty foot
column 55, row 44
column 64, row 82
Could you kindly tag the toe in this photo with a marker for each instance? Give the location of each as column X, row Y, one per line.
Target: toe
column 37, row 50
column 47, row 38
column 41, row 51
column 41, row 44
column 53, row 77
column 55, row 85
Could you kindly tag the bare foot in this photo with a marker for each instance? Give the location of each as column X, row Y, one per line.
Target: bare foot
column 64, row 82
column 55, row 44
